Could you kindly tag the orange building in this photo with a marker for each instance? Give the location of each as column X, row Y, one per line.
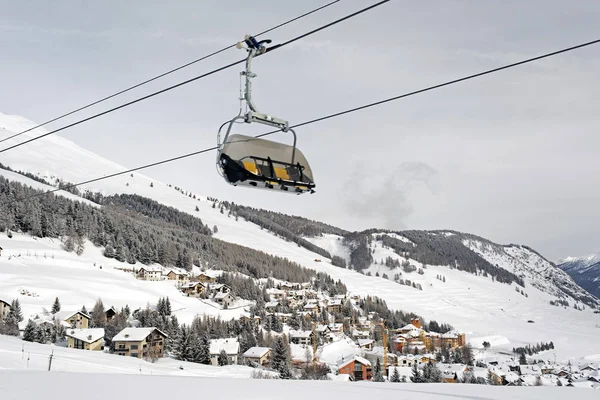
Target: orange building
column 358, row 368
column 416, row 322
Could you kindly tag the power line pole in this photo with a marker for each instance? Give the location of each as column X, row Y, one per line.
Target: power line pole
column 50, row 360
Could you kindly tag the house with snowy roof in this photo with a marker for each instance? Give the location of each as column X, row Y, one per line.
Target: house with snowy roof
column 73, row 319
column 4, row 308
column 147, row 343
column 230, row 346
column 193, row 289
column 85, row 339
column 336, row 327
column 224, row 299
column 357, row 368
column 150, row 273
column 311, row 307
column 276, row 294
column 271, row 306
column 301, row 337
column 218, row 288
column 258, row 356
column 177, row 275
column 334, row 306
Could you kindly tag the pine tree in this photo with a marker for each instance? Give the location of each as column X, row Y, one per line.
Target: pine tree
column 377, row 377
column 55, row 306
column 222, row 358
column 467, row 354
column 280, row 360
column 15, row 309
column 204, row 350
column 558, row 382
column 183, row 349
column 168, row 306
column 395, row 376
column 416, row 374
column 30, row 332
column 523, row 359
column 98, row 315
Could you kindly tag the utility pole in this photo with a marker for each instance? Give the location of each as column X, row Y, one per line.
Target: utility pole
column 23, row 351
column 50, row 360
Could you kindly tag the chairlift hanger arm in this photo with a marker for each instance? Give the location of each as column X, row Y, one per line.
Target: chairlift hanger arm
column 256, row 48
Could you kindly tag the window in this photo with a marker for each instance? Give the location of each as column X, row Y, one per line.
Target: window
column 134, row 355
column 134, row 347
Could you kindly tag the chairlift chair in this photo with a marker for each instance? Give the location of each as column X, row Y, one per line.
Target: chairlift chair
column 255, row 162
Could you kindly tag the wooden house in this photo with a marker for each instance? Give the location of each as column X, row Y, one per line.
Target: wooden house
column 147, row 343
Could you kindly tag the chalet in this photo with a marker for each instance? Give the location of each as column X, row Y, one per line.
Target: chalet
column 276, row 294
column 334, row 306
column 205, row 277
column 410, row 329
column 398, row 343
column 416, row 322
column 271, row 306
column 218, row 288
column 249, row 318
column 366, row 344
column 453, row 339
column 287, row 286
column 223, row 299
column 4, row 309
column 358, row 368
column 311, row 307
column 193, row 289
column 85, row 339
column 322, row 330
column 283, row 317
column 356, row 334
column 179, row 276
column 258, row 356
column 298, row 295
column 110, row 313
column 140, row 342
column 74, row 319
column 231, row 346
column 301, row 337
column 336, row 327
column 150, row 274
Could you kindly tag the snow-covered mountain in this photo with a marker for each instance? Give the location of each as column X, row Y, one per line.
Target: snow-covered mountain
column 479, row 291
column 585, row 271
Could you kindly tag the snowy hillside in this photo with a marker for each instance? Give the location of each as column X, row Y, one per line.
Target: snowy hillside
column 473, row 303
column 585, row 271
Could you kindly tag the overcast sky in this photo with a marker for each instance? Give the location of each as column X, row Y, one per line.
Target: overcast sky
column 512, row 157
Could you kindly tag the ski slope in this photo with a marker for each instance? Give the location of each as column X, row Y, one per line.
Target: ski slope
column 472, row 304
column 16, row 385
column 41, row 267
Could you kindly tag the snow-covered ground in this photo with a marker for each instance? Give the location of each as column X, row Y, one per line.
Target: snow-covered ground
column 42, row 268
column 16, row 385
column 473, row 304
column 15, row 354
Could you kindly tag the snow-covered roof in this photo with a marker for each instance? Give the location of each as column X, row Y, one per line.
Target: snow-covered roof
column 310, row 306
column 66, row 314
column 365, row 342
column 230, row 345
column 177, row 272
column 191, row 285
column 409, row 327
column 4, row 301
column 86, row 335
column 336, row 325
column 151, row 269
column 334, row 302
column 321, row 328
column 221, row 295
column 363, row 361
column 450, row 335
column 135, row 334
column 256, row 352
column 271, row 304
column 300, row 334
